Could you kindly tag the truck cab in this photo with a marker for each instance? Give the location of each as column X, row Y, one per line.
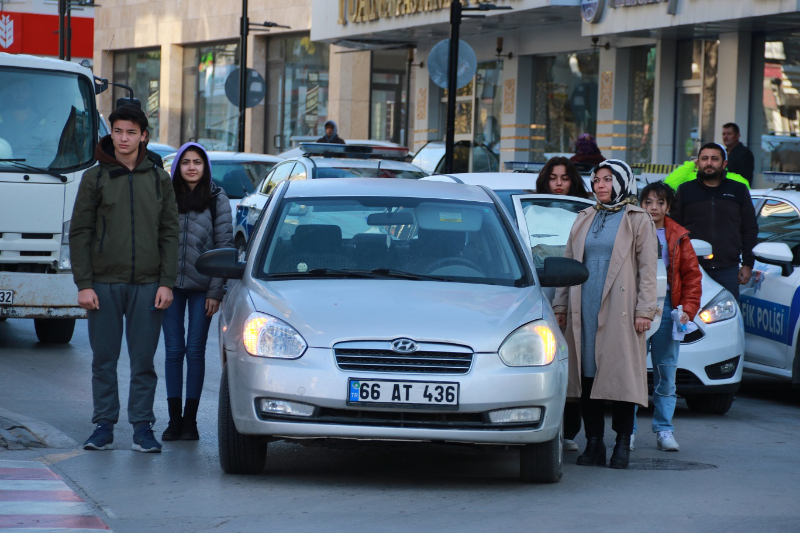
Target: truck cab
column 48, row 133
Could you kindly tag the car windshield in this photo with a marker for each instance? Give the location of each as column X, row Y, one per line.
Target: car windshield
column 239, row 179
column 47, row 119
column 360, row 172
column 407, row 238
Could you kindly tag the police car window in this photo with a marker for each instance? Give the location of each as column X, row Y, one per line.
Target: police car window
column 549, row 223
column 278, row 174
column 779, row 221
column 298, row 172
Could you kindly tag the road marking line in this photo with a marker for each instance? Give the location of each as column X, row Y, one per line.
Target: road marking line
column 34, row 498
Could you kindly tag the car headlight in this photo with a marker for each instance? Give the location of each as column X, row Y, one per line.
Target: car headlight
column 533, row 344
column 266, row 336
column 722, row 307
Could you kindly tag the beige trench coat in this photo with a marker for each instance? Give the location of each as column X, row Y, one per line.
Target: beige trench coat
column 629, row 291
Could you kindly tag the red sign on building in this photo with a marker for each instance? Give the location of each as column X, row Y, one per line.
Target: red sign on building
column 37, row 34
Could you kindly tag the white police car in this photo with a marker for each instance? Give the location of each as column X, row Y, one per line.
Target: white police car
column 710, row 361
column 320, row 160
column 771, row 301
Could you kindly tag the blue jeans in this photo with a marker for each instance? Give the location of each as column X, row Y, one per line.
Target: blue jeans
column 179, row 345
column 664, row 355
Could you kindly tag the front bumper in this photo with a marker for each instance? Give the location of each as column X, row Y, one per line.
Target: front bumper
column 316, row 380
column 41, row 295
column 698, row 362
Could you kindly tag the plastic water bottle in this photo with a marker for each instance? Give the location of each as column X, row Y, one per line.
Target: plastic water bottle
column 681, row 326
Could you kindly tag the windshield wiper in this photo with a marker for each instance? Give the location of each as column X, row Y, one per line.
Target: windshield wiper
column 392, row 273
column 19, row 163
column 314, row 272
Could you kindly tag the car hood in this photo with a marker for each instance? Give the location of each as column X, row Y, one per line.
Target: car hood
column 329, row 311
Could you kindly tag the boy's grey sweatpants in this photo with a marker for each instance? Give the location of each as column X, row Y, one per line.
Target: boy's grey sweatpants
column 142, row 328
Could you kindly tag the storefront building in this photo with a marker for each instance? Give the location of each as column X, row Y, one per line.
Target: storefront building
column 178, row 55
column 651, row 79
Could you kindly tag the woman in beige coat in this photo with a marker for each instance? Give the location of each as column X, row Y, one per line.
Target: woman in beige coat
column 610, row 313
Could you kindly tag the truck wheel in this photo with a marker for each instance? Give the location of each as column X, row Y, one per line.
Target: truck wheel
column 241, row 247
column 541, row 462
column 713, row 404
column 54, row 330
column 238, row 453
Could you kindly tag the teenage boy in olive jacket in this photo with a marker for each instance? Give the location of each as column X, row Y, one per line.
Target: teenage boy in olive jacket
column 124, row 248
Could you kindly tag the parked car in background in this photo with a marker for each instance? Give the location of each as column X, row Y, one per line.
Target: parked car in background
column 319, row 160
column 711, row 359
column 389, row 310
column 161, row 149
column 771, row 301
column 467, row 157
column 238, row 173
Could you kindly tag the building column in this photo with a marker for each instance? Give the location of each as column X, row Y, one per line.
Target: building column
column 103, row 67
column 664, row 104
column 349, row 92
column 425, row 116
column 612, row 102
column 733, row 82
column 254, row 141
column 171, row 94
column 755, row 125
column 517, row 87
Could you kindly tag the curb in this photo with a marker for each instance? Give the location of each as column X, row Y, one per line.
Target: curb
column 47, row 434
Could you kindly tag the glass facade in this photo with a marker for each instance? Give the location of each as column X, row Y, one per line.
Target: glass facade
column 780, row 136
column 564, row 102
column 209, row 118
column 489, row 104
column 640, row 104
column 141, row 70
column 388, row 99
column 696, row 97
column 297, row 93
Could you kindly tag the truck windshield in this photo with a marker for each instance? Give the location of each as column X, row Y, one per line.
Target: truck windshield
column 47, row 119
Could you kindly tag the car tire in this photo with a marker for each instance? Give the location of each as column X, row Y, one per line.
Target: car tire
column 713, row 404
column 54, row 330
column 542, row 462
column 238, row 453
column 241, row 247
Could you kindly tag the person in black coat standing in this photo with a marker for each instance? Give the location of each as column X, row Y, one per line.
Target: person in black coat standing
column 740, row 158
column 331, row 134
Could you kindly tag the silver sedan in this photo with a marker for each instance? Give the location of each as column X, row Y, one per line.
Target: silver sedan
column 390, row 310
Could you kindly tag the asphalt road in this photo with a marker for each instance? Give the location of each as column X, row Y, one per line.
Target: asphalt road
column 735, row 473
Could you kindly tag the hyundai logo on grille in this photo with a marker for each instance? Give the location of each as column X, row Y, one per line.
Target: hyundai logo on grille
column 404, row 346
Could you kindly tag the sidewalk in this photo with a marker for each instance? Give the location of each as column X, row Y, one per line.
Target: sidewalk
column 33, row 498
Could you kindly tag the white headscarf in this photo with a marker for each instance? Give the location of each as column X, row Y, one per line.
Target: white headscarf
column 623, row 186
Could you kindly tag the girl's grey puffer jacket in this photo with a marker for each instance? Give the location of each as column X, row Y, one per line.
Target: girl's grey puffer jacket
column 198, row 235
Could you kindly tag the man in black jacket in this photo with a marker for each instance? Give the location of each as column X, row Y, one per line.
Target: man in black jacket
column 740, row 158
column 719, row 210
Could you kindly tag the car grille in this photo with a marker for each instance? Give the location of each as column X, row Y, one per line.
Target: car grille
column 430, row 358
column 401, row 419
column 691, row 338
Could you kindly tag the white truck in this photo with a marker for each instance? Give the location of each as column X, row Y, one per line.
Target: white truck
column 48, row 133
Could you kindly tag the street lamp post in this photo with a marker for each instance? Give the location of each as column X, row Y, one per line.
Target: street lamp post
column 456, row 14
column 244, row 31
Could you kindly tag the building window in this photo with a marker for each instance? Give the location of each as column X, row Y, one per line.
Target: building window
column 489, row 104
column 297, row 78
column 640, row 105
column 388, row 97
column 564, row 102
column 209, row 117
column 140, row 70
column 696, row 98
column 780, row 136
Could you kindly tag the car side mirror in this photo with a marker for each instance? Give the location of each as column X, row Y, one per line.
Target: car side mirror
column 562, row 272
column 775, row 253
column 702, row 249
column 221, row 263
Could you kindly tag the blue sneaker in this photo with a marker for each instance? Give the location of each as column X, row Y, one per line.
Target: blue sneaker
column 102, row 437
column 144, row 440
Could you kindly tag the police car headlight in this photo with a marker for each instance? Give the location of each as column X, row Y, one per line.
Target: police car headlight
column 533, row 344
column 722, row 307
column 266, row 336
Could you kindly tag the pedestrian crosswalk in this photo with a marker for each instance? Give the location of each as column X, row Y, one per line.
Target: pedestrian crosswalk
column 34, row 499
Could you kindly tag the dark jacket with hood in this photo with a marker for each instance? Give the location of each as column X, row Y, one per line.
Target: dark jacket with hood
column 335, row 139
column 124, row 225
column 201, row 232
column 723, row 216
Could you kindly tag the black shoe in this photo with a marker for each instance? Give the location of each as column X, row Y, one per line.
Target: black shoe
column 595, row 453
column 621, row 456
column 189, row 431
column 175, row 426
